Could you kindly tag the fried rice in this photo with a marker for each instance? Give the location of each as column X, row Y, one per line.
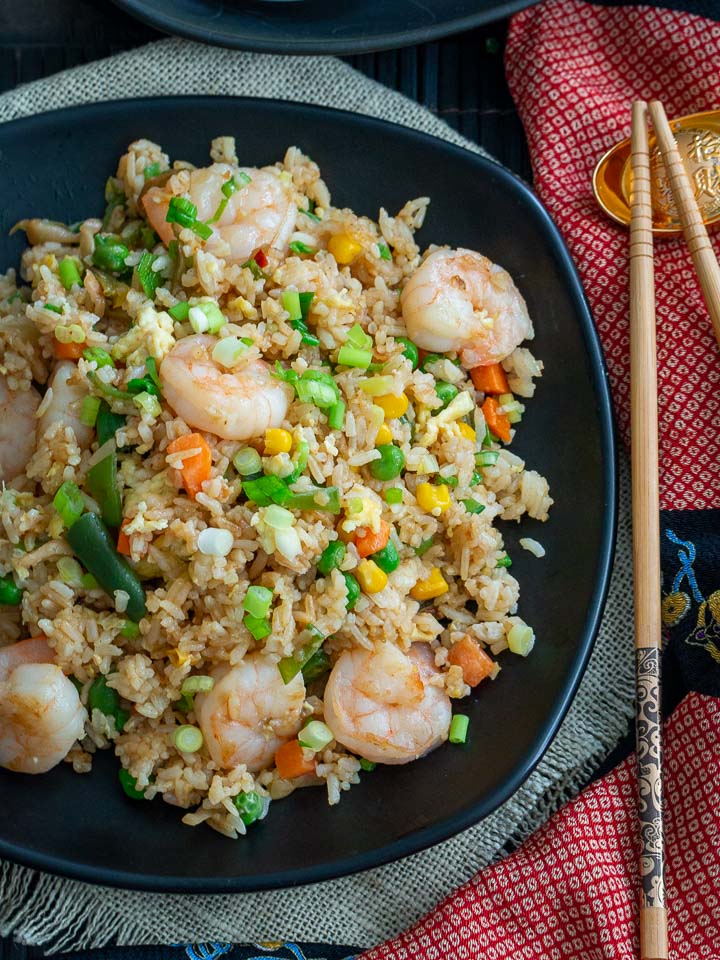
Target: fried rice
column 200, row 541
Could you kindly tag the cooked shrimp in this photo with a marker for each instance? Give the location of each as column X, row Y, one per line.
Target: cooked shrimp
column 68, row 392
column 379, row 703
column 459, row 300
column 250, row 712
column 41, row 715
column 232, row 405
column 260, row 213
column 17, row 430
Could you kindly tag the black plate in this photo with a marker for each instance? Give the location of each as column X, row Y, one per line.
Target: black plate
column 84, row 826
column 317, row 26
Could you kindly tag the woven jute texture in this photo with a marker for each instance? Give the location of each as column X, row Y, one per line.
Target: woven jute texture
column 369, row 907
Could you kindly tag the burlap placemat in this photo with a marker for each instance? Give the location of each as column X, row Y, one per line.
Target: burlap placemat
column 367, row 908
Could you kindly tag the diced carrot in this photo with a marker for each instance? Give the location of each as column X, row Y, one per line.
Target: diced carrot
column 290, row 761
column 498, row 422
column 475, row 663
column 369, row 541
column 69, row 351
column 123, row 541
column 490, row 379
column 195, row 470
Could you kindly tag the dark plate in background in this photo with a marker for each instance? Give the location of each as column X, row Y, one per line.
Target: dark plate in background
column 318, row 26
column 84, row 826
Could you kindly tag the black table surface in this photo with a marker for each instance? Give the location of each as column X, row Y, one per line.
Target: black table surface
column 460, row 78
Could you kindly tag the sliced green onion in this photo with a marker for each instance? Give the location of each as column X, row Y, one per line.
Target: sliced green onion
column 352, row 357
column 69, row 272
column 316, row 666
column 336, row 415
column 89, row 410
column 130, row 630
column 258, row 601
column 70, row 571
column 129, row 784
column 331, row 557
column 255, row 269
column 69, row 503
column 101, row 357
column 250, row 806
column 291, row 303
column 393, row 495
column 353, row 590
column 289, row 667
column 305, row 300
column 316, row 735
column 259, row 627
column 302, row 452
column 367, row 765
column 520, row 639
column 230, row 186
column 266, row 490
column 358, row 338
column 52, row 307
column 476, row 479
column 377, row 386
column 449, row 481
column 228, row 351
column 243, row 180
column 311, row 214
column 89, row 582
column 196, row 684
column 10, row 593
column 182, row 211
column 247, row 461
column 201, row 230
column 206, row 317
column 188, row 739
column 94, row 547
column 297, row 246
column 151, row 367
column 149, row 278
column 459, row 728
column 326, row 499
column 486, row 458
column 110, row 253
column 148, row 404
column 148, row 237
column 152, row 170
column 384, row 251
column 278, row 518
column 180, row 311
column 472, row 506
column 306, row 337
column 424, row 547
column 504, row 561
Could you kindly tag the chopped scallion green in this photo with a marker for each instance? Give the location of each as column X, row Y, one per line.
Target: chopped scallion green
column 89, row 410
column 258, row 601
column 69, row 272
column 393, row 495
column 188, row 739
column 352, row 357
column 459, row 728
column 69, row 503
column 259, row 627
column 180, row 311
column 297, row 246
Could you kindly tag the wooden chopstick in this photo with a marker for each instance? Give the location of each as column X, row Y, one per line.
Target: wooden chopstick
column 696, row 235
column 646, row 546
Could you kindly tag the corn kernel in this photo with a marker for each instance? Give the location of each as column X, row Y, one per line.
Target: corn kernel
column 384, row 435
column 432, row 586
column 344, row 248
column 277, row 441
column 393, row 405
column 178, row 657
column 466, row 431
column 432, row 498
column 370, row 577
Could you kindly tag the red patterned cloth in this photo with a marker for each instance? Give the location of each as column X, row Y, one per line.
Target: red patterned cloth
column 571, row 892
column 573, row 69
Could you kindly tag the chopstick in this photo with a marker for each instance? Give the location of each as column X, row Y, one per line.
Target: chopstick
column 694, row 231
column 646, row 546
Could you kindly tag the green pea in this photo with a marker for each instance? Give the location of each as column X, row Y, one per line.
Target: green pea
column 110, row 253
column 429, row 359
column 353, row 590
column 390, row 464
column 331, row 557
column 10, row 593
column 102, row 697
column 387, row 558
column 410, row 351
column 445, row 391
column 249, row 806
column 129, row 784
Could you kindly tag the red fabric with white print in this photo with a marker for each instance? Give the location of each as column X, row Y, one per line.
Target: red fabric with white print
column 574, row 69
column 571, row 892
